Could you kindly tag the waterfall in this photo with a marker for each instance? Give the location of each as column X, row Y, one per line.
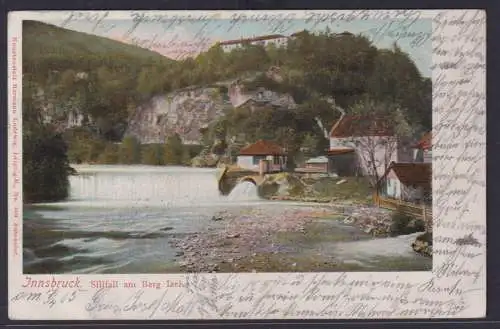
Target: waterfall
column 244, row 191
column 136, row 184
column 97, row 185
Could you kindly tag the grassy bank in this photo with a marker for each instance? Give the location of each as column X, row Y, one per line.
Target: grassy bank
column 320, row 189
column 348, row 188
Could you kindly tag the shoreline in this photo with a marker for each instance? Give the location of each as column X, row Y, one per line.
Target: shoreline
column 280, row 234
column 294, row 239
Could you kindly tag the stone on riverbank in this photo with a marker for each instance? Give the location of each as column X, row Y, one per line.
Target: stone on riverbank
column 208, row 161
column 423, row 244
column 244, row 233
column 371, row 220
column 281, row 185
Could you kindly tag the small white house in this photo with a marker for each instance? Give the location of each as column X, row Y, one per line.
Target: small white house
column 250, row 156
column 410, row 182
column 319, row 164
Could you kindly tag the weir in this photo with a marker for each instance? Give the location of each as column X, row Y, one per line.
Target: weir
column 162, row 186
column 175, row 185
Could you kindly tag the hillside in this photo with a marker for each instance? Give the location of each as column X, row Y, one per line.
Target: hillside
column 109, row 89
column 72, row 78
column 44, row 43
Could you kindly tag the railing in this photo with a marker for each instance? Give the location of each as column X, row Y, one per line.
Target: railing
column 422, row 211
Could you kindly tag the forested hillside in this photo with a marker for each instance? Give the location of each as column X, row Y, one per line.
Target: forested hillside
column 86, row 89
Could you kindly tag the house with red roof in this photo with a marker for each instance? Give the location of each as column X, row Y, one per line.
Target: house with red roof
column 423, row 149
column 250, row 157
column 365, row 145
column 410, row 182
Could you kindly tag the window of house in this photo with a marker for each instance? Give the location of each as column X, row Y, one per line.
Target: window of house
column 276, row 160
column 257, row 158
column 389, row 188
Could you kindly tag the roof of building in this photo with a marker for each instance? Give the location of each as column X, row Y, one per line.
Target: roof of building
column 345, row 33
column 259, row 38
column 425, row 142
column 414, row 173
column 262, row 147
column 320, row 159
column 339, row 151
column 359, row 125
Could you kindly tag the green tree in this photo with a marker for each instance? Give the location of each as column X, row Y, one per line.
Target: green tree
column 309, row 145
column 110, row 155
column 186, row 157
column 83, row 145
column 130, row 151
column 152, row 154
column 45, row 161
column 396, row 79
column 95, row 148
column 45, row 165
column 333, row 65
column 289, row 139
column 173, row 150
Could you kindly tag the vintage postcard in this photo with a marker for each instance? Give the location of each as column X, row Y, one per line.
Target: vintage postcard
column 247, row 164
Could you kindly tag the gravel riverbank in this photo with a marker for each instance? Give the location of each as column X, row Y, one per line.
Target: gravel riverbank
column 279, row 238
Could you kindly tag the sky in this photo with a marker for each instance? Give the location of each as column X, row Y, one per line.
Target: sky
column 178, row 39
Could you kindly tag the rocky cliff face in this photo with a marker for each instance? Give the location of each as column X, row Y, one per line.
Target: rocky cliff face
column 63, row 114
column 261, row 96
column 187, row 111
column 183, row 112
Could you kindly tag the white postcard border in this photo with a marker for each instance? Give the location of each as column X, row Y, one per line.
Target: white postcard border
column 441, row 294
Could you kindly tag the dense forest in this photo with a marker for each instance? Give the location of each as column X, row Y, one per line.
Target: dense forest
column 106, row 80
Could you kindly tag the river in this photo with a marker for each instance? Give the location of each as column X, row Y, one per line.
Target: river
column 121, row 219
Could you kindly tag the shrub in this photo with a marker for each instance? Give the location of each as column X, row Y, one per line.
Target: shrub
column 45, row 166
column 423, row 244
column 425, row 237
column 403, row 223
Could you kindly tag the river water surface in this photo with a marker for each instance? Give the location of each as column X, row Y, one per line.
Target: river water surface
column 120, row 219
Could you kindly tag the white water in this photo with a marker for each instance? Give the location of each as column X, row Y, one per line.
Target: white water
column 244, row 191
column 152, row 186
column 166, row 185
column 395, row 247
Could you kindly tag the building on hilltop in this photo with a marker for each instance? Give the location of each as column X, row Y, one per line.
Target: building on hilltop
column 277, row 39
